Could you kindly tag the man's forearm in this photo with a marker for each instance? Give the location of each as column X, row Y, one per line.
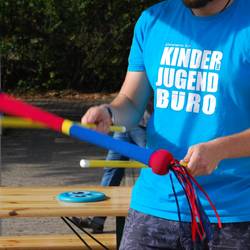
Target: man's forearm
column 125, row 112
column 236, row 145
column 128, row 107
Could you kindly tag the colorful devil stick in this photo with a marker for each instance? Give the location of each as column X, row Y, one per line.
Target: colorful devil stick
column 161, row 161
column 13, row 122
column 158, row 160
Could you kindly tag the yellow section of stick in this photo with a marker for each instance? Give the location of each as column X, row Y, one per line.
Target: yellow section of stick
column 184, row 164
column 13, row 122
column 112, row 128
column 67, row 124
column 111, row 164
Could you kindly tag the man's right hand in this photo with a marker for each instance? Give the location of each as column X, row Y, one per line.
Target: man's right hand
column 100, row 116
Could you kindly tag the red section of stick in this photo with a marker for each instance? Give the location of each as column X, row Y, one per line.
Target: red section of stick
column 15, row 107
column 160, row 160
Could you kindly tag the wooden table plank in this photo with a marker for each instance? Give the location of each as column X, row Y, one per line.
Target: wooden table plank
column 55, row 242
column 42, row 202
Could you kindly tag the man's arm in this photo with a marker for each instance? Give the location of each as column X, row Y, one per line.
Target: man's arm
column 128, row 106
column 203, row 158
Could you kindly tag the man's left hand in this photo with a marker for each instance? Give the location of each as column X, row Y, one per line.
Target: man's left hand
column 203, row 158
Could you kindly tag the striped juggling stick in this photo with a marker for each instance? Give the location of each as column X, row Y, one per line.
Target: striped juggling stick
column 161, row 161
column 158, row 160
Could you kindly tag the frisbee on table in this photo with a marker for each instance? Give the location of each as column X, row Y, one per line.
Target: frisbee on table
column 81, row 196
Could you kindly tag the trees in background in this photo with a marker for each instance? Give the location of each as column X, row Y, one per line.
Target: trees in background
column 66, row 44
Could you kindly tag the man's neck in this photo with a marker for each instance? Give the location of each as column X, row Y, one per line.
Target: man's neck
column 212, row 8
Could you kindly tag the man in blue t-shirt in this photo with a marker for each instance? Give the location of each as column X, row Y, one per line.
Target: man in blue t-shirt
column 194, row 55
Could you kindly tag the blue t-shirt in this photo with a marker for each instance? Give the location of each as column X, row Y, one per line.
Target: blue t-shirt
column 199, row 70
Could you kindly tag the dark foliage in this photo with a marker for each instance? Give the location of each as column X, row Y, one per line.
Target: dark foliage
column 66, row 44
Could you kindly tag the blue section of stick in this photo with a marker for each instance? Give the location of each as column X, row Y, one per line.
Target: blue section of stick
column 124, row 148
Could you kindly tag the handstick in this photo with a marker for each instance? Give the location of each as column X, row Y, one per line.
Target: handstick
column 113, row 128
column 158, row 160
column 115, row 164
column 14, row 122
column 111, row 164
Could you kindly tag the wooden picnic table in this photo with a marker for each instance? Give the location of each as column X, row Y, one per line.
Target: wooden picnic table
column 42, row 202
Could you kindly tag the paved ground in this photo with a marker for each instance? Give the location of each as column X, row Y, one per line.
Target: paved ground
column 43, row 158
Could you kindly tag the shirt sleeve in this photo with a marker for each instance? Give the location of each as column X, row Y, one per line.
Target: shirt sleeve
column 135, row 61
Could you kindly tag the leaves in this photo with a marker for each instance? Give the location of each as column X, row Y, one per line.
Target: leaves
column 57, row 44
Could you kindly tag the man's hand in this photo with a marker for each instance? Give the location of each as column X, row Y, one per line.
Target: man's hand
column 100, row 116
column 203, row 159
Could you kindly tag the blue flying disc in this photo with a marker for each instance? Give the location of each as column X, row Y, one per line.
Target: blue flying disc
column 81, row 196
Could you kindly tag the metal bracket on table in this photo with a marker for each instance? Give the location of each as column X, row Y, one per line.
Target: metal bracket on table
column 68, row 222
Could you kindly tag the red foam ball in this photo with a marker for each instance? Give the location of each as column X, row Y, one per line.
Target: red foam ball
column 160, row 160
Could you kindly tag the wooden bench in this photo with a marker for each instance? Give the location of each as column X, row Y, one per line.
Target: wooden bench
column 56, row 242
